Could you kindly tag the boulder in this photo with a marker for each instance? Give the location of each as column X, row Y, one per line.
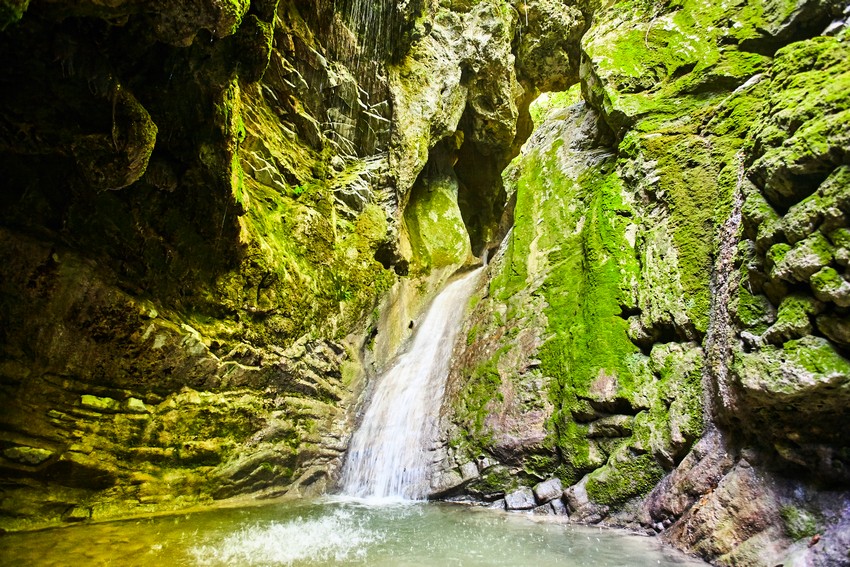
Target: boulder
column 828, row 285
column 803, row 260
column 836, row 329
column 579, row 506
column 521, row 499
column 793, row 319
column 468, row 471
column 548, row 490
column 558, row 507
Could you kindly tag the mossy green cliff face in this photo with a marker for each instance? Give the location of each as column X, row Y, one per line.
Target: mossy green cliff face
column 675, row 262
column 567, row 306
column 181, row 260
column 219, row 220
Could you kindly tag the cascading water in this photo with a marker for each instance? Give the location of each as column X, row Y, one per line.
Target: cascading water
column 388, row 454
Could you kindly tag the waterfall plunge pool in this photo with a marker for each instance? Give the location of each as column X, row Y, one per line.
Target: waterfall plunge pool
column 331, row 531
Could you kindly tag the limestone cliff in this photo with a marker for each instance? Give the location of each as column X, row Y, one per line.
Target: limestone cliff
column 661, row 330
column 220, row 218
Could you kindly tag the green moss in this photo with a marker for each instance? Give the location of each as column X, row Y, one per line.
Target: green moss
column 99, row 404
column 674, row 63
column 680, row 391
column 800, row 261
column 580, row 456
column 574, row 237
column 474, row 403
column 776, row 254
column 232, row 11
column 304, row 267
column 541, row 466
column 819, row 245
column 688, row 187
column 840, row 237
column 828, row 283
column 253, row 47
column 816, row 355
column 624, row 479
column 820, row 65
column 796, row 308
column 587, row 290
column 435, row 225
column 589, row 271
column 753, row 311
column 472, row 335
column 11, row 12
column 756, row 211
column 799, row 523
column 547, row 102
column 495, row 480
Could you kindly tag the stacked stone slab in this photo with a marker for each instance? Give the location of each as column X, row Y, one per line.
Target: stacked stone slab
column 544, row 498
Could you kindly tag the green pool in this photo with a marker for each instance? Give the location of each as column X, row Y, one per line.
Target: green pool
column 338, row 532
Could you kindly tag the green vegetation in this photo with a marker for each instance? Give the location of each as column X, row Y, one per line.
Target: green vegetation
column 799, row 523
column 433, row 220
column 478, row 397
column 625, row 478
column 547, row 102
column 11, row 11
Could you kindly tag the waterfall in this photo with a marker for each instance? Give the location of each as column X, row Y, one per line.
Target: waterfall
column 388, row 456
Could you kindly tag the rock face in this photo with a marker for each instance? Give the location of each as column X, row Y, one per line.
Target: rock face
column 522, row 499
column 219, row 222
column 172, row 241
column 676, row 266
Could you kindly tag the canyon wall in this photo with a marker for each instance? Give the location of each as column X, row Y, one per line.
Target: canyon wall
column 662, row 331
column 222, row 218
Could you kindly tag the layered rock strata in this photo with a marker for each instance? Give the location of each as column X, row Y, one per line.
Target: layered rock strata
column 661, row 329
column 219, row 220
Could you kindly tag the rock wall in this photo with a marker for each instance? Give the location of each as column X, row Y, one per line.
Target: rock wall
column 661, row 331
column 181, row 260
column 219, row 219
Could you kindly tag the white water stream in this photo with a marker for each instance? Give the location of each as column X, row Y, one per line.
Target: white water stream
column 388, row 456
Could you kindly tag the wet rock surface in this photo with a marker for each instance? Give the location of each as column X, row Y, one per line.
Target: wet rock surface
column 221, row 219
column 704, row 240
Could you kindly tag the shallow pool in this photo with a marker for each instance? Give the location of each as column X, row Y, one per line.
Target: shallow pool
column 338, row 532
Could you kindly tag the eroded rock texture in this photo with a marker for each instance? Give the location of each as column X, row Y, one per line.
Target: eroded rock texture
column 221, row 219
column 172, row 244
column 674, row 266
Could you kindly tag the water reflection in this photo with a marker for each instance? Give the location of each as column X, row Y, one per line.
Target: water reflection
column 338, row 532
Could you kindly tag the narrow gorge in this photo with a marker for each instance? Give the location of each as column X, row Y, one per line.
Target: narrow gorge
column 224, row 220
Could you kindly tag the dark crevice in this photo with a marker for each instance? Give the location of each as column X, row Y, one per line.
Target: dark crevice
column 806, row 23
column 618, row 405
column 626, row 311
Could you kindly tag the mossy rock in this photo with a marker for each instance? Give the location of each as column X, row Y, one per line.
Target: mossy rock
column 11, row 11
column 626, row 476
column 435, row 224
column 794, row 319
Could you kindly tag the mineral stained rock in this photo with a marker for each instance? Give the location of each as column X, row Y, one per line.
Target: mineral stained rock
column 221, row 217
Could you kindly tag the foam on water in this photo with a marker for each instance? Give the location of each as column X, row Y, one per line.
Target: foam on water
column 308, row 533
column 336, row 536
